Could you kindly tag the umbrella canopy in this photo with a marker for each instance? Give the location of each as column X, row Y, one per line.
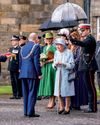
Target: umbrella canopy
column 49, row 25
column 67, row 12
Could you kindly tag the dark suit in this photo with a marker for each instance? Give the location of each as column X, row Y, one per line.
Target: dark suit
column 2, row 59
column 97, row 56
column 13, row 67
column 29, row 72
column 88, row 66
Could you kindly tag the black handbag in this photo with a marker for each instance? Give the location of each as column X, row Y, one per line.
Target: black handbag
column 71, row 76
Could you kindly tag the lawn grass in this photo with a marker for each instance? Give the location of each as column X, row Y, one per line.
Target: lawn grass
column 5, row 90
column 8, row 90
column 98, row 92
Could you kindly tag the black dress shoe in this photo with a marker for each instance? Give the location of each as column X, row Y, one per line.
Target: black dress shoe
column 66, row 112
column 61, row 111
column 35, row 115
column 13, row 97
column 25, row 115
column 17, row 97
column 98, row 102
column 76, row 108
column 89, row 111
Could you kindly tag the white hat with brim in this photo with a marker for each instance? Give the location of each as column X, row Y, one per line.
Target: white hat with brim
column 15, row 38
column 84, row 26
column 60, row 41
column 64, row 32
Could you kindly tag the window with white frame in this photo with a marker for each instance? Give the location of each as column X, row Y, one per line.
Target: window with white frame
column 98, row 25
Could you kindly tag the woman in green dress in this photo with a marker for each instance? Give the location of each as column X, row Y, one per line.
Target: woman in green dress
column 46, row 87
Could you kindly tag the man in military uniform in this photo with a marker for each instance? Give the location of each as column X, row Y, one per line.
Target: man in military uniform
column 13, row 67
column 88, row 63
column 30, row 73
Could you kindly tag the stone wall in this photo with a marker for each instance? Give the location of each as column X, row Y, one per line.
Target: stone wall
column 20, row 16
column 24, row 16
column 95, row 12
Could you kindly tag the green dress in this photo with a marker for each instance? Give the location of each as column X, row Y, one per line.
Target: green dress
column 46, row 87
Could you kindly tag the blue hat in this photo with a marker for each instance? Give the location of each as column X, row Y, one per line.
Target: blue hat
column 15, row 37
column 60, row 41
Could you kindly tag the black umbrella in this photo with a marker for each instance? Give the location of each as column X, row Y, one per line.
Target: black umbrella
column 49, row 25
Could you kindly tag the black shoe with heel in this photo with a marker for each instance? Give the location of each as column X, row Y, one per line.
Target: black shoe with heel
column 61, row 111
column 66, row 112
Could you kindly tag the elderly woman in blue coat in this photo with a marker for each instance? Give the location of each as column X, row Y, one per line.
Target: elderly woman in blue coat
column 63, row 63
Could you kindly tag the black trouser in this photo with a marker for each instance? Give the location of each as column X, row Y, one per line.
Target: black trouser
column 14, row 82
column 20, row 88
column 88, row 77
column 98, row 79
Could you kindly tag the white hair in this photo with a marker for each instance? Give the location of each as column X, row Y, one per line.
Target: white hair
column 32, row 36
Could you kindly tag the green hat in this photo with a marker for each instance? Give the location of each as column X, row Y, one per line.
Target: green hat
column 49, row 35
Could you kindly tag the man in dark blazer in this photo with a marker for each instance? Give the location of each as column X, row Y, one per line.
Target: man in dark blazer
column 97, row 56
column 13, row 67
column 30, row 73
column 2, row 59
column 87, row 64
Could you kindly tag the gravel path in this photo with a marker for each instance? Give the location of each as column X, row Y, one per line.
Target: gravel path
column 11, row 113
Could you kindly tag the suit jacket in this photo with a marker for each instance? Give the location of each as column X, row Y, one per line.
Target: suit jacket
column 87, row 58
column 29, row 61
column 3, row 58
column 97, row 55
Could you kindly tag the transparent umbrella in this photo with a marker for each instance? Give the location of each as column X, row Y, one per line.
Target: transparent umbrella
column 65, row 15
column 68, row 12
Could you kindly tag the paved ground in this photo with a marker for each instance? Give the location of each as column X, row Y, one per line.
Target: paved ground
column 11, row 113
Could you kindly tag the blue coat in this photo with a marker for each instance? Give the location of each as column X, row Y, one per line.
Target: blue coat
column 29, row 63
column 62, row 86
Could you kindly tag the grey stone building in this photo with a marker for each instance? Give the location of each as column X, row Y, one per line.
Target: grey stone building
column 25, row 16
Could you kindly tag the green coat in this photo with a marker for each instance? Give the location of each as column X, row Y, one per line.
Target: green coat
column 46, row 87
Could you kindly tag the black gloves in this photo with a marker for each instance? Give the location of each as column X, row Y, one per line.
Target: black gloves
column 73, row 41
